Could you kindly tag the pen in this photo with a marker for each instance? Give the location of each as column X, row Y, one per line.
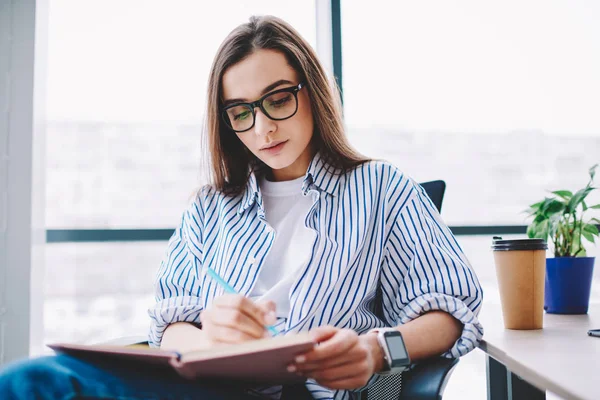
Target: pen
column 231, row 290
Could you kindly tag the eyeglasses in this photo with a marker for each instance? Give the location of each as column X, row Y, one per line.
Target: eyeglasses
column 277, row 105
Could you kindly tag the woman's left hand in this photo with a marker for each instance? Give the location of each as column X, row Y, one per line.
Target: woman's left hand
column 342, row 360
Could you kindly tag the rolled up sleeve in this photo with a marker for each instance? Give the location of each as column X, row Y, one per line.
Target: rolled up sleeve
column 427, row 270
column 177, row 287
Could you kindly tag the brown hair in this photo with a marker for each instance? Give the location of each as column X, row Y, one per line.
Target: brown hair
column 230, row 161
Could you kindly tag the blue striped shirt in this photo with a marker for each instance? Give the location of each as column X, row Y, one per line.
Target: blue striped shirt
column 382, row 257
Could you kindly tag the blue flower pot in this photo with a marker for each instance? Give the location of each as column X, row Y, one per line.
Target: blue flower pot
column 568, row 285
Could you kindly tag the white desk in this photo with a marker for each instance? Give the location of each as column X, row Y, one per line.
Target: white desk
column 560, row 358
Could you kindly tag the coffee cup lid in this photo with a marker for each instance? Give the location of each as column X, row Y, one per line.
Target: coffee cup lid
column 499, row 244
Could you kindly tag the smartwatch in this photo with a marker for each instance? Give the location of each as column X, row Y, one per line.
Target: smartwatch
column 395, row 355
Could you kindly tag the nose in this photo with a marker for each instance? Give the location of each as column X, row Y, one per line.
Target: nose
column 263, row 125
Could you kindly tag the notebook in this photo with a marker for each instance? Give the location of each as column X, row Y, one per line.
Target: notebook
column 261, row 361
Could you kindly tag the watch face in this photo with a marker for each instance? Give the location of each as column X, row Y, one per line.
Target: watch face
column 395, row 345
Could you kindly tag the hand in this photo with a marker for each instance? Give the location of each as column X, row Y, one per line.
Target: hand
column 233, row 318
column 341, row 360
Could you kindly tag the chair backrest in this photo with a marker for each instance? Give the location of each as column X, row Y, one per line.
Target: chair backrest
column 435, row 190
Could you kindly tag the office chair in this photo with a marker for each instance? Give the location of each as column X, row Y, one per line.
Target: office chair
column 435, row 190
column 425, row 381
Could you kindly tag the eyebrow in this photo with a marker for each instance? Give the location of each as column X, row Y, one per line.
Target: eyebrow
column 264, row 91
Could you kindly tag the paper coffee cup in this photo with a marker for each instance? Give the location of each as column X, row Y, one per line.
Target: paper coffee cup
column 521, row 271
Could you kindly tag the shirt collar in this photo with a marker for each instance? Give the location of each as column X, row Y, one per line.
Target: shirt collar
column 251, row 193
column 324, row 176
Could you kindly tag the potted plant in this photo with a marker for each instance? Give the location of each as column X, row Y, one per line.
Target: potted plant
column 569, row 274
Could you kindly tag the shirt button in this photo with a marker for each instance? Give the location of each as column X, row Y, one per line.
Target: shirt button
column 270, row 229
column 252, row 260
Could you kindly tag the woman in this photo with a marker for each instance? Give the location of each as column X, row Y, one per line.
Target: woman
column 314, row 237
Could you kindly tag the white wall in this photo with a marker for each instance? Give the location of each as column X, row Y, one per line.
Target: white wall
column 23, row 31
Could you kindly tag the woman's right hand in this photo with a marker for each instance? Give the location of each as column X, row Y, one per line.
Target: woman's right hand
column 233, row 318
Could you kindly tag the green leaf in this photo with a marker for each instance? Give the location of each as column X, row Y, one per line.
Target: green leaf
column 585, row 207
column 536, row 205
column 538, row 230
column 554, row 224
column 531, row 231
column 593, row 171
column 565, row 194
column 589, row 237
column 542, row 208
column 552, row 207
column 578, row 198
column 591, row 229
column 532, row 211
column 596, row 207
column 543, row 229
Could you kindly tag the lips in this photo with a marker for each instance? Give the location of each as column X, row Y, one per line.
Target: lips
column 273, row 145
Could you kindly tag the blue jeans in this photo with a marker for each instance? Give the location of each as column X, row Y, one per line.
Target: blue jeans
column 63, row 377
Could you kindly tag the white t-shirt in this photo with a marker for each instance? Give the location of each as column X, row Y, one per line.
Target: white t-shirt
column 285, row 211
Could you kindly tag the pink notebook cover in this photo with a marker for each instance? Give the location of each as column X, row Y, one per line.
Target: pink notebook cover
column 261, row 361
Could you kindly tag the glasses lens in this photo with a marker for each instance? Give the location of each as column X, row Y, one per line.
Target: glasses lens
column 240, row 117
column 280, row 105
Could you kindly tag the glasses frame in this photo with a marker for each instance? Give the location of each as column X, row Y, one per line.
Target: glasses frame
column 259, row 103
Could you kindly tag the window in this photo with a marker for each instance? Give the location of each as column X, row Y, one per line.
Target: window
column 99, row 291
column 500, row 100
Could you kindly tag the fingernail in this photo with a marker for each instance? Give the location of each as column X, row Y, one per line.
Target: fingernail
column 291, row 368
column 270, row 317
column 300, row 359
